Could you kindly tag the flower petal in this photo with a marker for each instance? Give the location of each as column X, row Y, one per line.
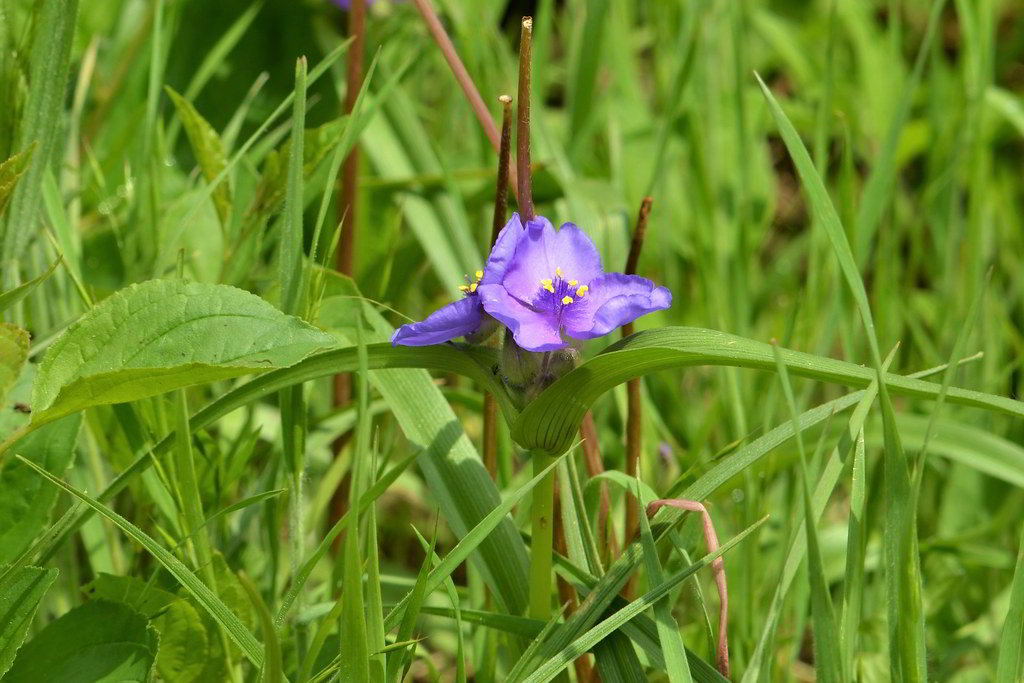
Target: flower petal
column 530, row 264
column 503, row 250
column 575, row 254
column 457, row 319
column 613, row 300
column 532, row 331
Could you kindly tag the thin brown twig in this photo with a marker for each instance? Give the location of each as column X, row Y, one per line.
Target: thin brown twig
column 490, row 436
column 342, row 386
column 607, row 545
column 634, row 399
column 523, row 121
column 451, row 55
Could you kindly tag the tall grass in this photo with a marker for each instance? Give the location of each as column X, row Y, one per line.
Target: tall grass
column 842, row 176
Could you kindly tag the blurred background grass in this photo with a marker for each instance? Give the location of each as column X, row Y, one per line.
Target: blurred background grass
column 631, row 99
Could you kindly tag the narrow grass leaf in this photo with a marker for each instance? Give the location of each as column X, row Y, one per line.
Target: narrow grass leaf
column 1011, row 642
column 470, row 541
column 49, row 58
column 550, row 668
column 668, row 630
column 826, row 637
column 273, row 667
column 204, row 596
column 20, row 595
column 13, row 296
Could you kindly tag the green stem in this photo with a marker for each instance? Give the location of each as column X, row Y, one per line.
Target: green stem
column 192, row 507
column 542, row 527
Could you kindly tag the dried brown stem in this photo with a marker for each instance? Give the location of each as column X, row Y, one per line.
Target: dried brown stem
column 523, row 121
column 349, row 192
column 634, row 402
column 501, row 189
column 490, row 436
column 608, row 546
column 444, row 43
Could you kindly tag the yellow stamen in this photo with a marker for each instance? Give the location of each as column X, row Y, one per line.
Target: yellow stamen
column 566, row 300
column 582, row 291
column 546, row 281
column 546, row 284
column 558, row 271
column 472, row 287
column 479, row 274
column 573, row 283
column 463, row 288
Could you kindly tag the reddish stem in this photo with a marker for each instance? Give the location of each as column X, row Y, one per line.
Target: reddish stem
column 451, row 55
column 718, row 567
column 523, row 121
column 634, row 402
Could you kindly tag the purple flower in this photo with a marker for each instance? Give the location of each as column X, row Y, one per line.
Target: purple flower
column 553, row 285
column 466, row 317
column 347, row 4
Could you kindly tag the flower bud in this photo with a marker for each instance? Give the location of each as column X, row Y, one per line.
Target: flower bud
column 520, row 370
column 488, row 326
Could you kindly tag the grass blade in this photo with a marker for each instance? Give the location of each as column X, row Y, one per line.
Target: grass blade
column 250, row 647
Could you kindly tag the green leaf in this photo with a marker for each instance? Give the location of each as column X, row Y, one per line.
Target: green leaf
column 100, row 642
column 184, row 642
column 13, row 296
column 10, row 171
column 1011, row 643
column 823, row 618
column 668, row 630
column 20, row 595
column 469, row 542
column 166, row 334
column 211, row 603
column 550, row 668
column 27, row 500
column 208, row 150
column 273, row 671
column 49, row 57
column 141, row 596
column 14, row 343
column 549, row 423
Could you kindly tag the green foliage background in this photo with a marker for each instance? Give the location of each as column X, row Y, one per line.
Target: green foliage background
column 156, row 140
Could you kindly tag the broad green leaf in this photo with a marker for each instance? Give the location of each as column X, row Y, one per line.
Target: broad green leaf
column 141, row 596
column 211, row 603
column 549, row 423
column 166, row 334
column 27, row 500
column 100, row 642
column 10, row 171
column 208, row 151
column 14, row 343
column 184, row 642
column 20, row 595
column 48, row 59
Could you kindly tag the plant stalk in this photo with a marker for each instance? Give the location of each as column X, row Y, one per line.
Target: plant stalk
column 523, row 122
column 634, row 391
column 542, row 538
